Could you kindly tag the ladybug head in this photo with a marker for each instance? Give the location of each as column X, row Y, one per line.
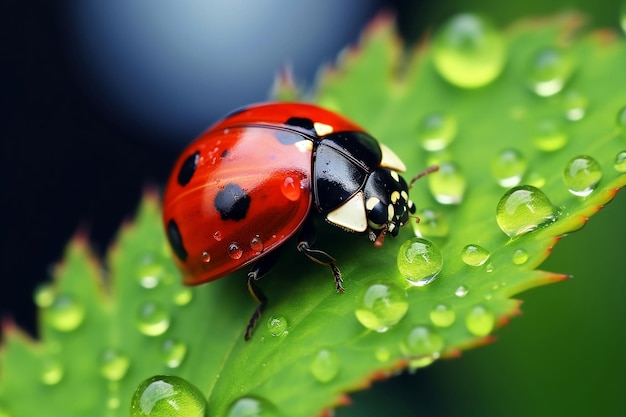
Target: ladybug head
column 387, row 204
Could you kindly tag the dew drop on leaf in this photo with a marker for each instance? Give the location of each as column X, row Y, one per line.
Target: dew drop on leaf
column 149, row 271
column 581, row 175
column 51, row 371
column 66, row 313
column 520, row 256
column 325, row 365
column 447, row 185
column 474, row 255
column 620, row 162
column 442, row 316
column 173, row 352
column 419, row 261
column 166, row 396
column 523, row 209
column 383, row 354
column 277, row 325
column 461, row 291
column 549, row 70
column 153, row 319
column 508, row 167
column 114, row 365
column 252, row 407
column 44, row 296
column 575, row 106
column 479, row 321
column 436, row 131
column 550, row 135
column 422, row 346
column 183, row 296
column 469, row 51
column 432, row 224
column 381, row 305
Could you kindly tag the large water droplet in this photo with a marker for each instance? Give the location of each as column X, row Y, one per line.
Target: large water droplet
column 520, row 257
column 575, row 106
column 114, row 365
column 325, row 365
column 475, row 255
column 166, row 396
column 66, row 313
column 550, row 135
column 508, row 167
column 277, row 326
column 174, row 353
column 468, row 51
column 381, row 305
column 432, row 224
column 523, row 209
column 252, row 407
column 291, row 189
column 480, row 321
column 442, row 316
column 153, row 319
column 448, row 184
column 549, row 70
column 423, row 346
column 581, row 175
column 620, row 161
column 436, row 131
column 51, row 371
column 419, row 261
column 235, row 251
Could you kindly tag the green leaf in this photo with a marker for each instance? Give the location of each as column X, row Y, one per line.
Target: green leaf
column 103, row 333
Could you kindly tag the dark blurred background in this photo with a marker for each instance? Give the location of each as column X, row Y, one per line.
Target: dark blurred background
column 100, row 96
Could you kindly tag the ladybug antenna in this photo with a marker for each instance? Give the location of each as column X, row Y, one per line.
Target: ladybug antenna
column 429, row 170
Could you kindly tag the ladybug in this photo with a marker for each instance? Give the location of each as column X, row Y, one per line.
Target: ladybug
column 261, row 175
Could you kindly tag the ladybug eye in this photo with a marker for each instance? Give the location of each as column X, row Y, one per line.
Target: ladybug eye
column 377, row 213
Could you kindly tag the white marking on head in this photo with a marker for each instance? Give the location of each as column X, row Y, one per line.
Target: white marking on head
column 371, row 203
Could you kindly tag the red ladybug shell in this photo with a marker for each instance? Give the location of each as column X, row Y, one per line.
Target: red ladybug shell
column 243, row 187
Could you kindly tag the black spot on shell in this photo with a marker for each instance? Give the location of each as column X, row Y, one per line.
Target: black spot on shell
column 176, row 240
column 232, row 202
column 224, row 153
column 302, row 123
column 188, row 169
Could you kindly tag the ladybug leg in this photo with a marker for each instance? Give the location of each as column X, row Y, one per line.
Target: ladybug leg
column 319, row 256
column 257, row 272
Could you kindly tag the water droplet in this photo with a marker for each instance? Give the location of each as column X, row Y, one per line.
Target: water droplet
column 581, row 175
column 620, row 162
column 149, row 270
column 44, row 296
column 51, row 371
column 277, row 326
column 622, row 19
column 382, row 354
column 523, row 209
column 206, row 257
column 165, row 396
column 291, row 189
column 153, row 319
column 235, row 251
column 325, row 365
column 550, row 135
column 423, row 346
column 442, row 316
column 66, row 313
column 461, row 291
column 621, row 118
column 252, row 407
column 480, row 321
column 114, row 365
column 475, row 255
column 113, row 401
column 256, row 244
column 381, row 305
column 183, row 296
column 419, row 261
column 520, row 256
column 436, row 131
column 217, row 236
column 469, row 51
column 575, row 106
column 448, row 184
column 549, row 70
column 535, row 179
column 174, row 353
column 432, row 224
column 508, row 167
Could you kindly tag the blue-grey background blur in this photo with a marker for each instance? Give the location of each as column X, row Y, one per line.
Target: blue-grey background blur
column 100, row 96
